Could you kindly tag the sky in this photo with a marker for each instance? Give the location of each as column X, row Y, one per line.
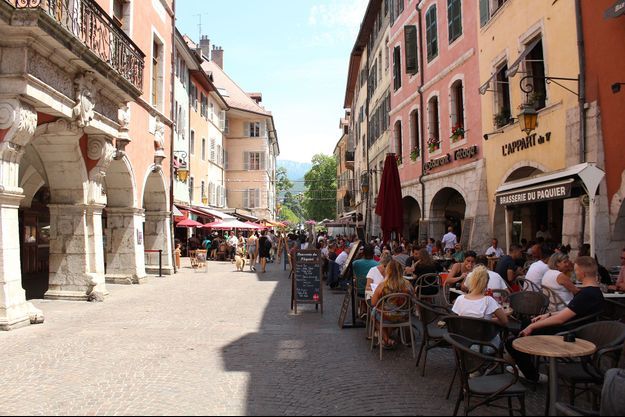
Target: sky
column 294, row 52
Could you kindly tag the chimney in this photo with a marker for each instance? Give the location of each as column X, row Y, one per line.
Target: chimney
column 205, row 46
column 218, row 56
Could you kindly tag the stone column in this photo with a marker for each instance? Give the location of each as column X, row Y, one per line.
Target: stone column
column 76, row 252
column 125, row 260
column 17, row 122
column 158, row 236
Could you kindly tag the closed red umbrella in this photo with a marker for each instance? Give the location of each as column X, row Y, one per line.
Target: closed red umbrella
column 390, row 205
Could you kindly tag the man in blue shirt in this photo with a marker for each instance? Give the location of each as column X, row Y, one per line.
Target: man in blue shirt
column 362, row 267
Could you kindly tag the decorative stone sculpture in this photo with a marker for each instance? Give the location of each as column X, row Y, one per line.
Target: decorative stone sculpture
column 159, row 142
column 85, row 99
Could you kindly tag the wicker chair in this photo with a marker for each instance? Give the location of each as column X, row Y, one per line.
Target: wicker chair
column 527, row 305
column 611, row 403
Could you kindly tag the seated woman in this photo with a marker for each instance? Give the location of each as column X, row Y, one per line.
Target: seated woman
column 557, row 280
column 376, row 275
column 460, row 271
column 394, row 284
column 586, row 303
column 476, row 304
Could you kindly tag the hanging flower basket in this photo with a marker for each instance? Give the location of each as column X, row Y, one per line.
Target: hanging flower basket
column 414, row 154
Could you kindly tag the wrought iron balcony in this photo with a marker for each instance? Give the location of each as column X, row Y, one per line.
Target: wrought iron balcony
column 93, row 28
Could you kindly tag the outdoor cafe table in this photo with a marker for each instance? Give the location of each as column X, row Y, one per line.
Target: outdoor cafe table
column 554, row 348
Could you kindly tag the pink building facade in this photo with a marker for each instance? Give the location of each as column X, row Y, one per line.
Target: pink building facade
column 436, row 119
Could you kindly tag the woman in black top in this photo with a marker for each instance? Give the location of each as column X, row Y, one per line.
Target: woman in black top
column 264, row 248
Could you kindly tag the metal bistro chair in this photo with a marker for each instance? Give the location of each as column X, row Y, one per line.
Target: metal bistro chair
column 431, row 333
column 611, row 398
column 488, row 388
column 555, row 301
column 613, row 311
column 428, row 287
column 527, row 285
column 609, row 337
column 398, row 305
column 484, row 331
column 527, row 305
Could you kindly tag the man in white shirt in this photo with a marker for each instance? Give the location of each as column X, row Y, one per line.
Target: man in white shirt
column 341, row 259
column 449, row 240
column 539, row 268
column 495, row 281
column 543, row 233
column 495, row 251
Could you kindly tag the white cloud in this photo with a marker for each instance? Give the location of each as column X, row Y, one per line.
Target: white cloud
column 336, row 20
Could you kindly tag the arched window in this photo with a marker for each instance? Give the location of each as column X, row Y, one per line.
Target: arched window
column 456, row 96
column 434, row 139
column 414, row 132
column 398, row 140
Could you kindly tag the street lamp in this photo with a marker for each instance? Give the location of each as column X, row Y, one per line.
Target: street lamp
column 528, row 118
column 182, row 171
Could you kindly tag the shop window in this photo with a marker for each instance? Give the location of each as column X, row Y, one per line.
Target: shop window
column 454, row 19
column 503, row 112
column 431, row 33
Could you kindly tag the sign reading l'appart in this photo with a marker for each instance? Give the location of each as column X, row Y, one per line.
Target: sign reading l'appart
column 536, row 195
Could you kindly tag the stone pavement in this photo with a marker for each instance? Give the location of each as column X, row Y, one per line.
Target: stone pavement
column 220, row 343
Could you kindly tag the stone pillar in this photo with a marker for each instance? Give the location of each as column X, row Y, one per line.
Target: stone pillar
column 125, row 260
column 158, row 237
column 76, row 252
column 18, row 122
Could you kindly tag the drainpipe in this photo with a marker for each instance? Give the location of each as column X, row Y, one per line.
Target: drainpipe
column 173, row 138
column 368, row 215
column 581, row 53
column 422, row 119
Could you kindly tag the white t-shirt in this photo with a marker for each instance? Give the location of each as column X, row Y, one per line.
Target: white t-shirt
column 340, row 260
column 495, row 281
column 483, row 308
column 375, row 275
column 449, row 241
column 550, row 280
column 536, row 273
column 497, row 253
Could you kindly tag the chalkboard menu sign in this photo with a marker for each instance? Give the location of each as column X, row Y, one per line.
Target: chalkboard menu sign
column 306, row 282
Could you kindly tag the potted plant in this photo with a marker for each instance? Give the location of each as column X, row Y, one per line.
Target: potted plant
column 502, row 118
column 414, row 154
column 434, row 144
column 457, row 133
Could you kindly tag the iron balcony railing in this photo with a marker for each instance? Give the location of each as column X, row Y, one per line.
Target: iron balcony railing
column 93, row 27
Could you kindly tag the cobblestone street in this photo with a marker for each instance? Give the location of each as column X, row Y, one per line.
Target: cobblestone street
column 212, row 343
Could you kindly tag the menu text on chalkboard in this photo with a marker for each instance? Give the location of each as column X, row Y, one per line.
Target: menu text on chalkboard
column 307, row 288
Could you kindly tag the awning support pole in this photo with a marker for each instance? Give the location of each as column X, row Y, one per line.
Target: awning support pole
column 507, row 220
column 593, row 223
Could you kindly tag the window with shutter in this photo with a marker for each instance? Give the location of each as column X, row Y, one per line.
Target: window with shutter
column 214, row 195
column 225, row 159
column 219, row 155
column 222, row 120
column 203, row 149
column 431, row 33
column 246, row 199
column 397, row 68
column 263, row 161
column 212, row 150
column 192, row 143
column 454, row 19
column 246, row 161
column 484, row 12
column 191, row 191
column 412, row 62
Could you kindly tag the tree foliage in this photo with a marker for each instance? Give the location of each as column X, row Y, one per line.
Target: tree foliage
column 320, row 195
column 283, row 184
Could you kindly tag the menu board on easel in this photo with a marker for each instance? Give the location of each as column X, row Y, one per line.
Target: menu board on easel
column 306, row 281
column 353, row 251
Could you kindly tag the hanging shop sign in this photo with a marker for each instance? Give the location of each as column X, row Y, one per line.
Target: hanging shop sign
column 536, row 195
column 525, row 143
column 458, row 155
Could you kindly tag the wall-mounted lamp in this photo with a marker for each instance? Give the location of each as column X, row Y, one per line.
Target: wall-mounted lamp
column 182, row 171
column 528, row 119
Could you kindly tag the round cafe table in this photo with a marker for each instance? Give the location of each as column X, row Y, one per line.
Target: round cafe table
column 553, row 347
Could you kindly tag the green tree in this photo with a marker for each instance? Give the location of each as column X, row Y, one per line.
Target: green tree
column 283, row 184
column 320, row 195
column 286, row 214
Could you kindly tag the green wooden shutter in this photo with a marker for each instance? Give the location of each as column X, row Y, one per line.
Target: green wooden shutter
column 412, row 63
column 484, row 12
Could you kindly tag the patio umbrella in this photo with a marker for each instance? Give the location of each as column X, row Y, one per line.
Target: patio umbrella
column 189, row 223
column 390, row 205
column 233, row 224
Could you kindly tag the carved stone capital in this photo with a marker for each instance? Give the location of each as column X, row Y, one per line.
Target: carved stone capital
column 99, row 148
column 85, row 94
column 21, row 120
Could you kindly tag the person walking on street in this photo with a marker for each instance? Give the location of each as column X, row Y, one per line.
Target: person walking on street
column 264, row 249
column 252, row 250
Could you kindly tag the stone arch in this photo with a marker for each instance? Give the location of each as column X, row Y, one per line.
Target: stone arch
column 448, row 207
column 157, row 226
column 412, row 218
column 125, row 263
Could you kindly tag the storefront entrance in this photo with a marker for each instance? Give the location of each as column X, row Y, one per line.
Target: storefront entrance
column 448, row 210
column 35, row 245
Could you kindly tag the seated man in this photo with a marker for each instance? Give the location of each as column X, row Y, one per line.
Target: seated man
column 361, row 268
column 588, row 302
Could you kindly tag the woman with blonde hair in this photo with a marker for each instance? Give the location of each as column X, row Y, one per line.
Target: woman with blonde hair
column 395, row 283
column 377, row 274
column 476, row 304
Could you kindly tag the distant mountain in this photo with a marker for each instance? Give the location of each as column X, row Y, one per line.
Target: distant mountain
column 296, row 170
